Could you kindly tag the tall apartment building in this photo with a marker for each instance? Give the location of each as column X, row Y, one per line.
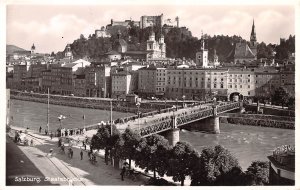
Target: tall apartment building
column 123, row 83
column 98, row 81
column 147, row 81
column 58, row 79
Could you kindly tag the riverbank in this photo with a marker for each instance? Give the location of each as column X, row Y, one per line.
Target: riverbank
column 272, row 121
column 91, row 103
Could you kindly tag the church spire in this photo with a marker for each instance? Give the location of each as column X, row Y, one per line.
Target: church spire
column 253, row 33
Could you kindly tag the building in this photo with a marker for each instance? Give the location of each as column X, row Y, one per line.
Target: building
column 68, row 52
column 242, row 53
column 155, row 49
column 287, row 80
column 147, row 21
column 58, row 79
column 113, row 55
column 282, row 166
column 202, row 56
column 126, row 23
column 102, row 33
column 20, row 72
column 120, row 45
column 98, row 80
column 32, row 49
column 80, row 63
column 123, row 83
column 266, row 82
column 241, row 82
column 79, row 85
column 147, row 81
column 185, row 82
column 161, row 82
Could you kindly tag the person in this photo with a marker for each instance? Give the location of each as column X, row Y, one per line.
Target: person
column 51, row 135
column 59, row 142
column 71, row 153
column 123, row 172
column 46, row 132
column 31, row 142
column 81, row 154
column 40, row 129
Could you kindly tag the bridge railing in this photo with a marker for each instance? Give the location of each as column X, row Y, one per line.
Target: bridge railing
column 227, row 107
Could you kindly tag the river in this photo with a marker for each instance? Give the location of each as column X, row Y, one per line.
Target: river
column 246, row 143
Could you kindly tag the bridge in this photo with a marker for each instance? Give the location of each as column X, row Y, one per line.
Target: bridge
column 169, row 123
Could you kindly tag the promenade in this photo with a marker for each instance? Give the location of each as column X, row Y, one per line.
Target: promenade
column 59, row 165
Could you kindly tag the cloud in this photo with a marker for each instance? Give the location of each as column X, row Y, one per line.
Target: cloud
column 60, row 28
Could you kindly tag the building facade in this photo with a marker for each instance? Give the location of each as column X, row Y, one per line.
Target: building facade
column 147, row 21
column 98, row 81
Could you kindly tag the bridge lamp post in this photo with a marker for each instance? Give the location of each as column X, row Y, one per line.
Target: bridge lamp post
column 138, row 106
column 183, row 97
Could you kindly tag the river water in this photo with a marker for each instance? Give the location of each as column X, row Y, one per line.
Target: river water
column 246, row 143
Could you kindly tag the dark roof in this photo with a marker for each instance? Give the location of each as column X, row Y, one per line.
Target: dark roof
column 242, row 50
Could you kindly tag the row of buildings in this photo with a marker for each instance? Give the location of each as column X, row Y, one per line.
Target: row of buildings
column 150, row 73
column 104, row 79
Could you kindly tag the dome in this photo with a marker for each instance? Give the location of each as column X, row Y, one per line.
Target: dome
column 33, row 47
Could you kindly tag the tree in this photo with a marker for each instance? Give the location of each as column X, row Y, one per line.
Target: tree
column 280, row 96
column 100, row 140
column 257, row 173
column 183, row 159
column 214, row 162
column 131, row 141
column 153, row 154
column 234, row 177
column 104, row 140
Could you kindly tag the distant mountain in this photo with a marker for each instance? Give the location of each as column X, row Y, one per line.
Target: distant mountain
column 10, row 49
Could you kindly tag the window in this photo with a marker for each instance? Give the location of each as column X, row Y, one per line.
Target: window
column 215, row 85
column 230, row 80
column 248, row 86
column 230, row 86
column 222, row 79
column 248, row 80
column 248, row 93
column 241, row 86
column 222, row 86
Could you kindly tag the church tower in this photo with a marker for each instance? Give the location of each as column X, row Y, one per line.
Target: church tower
column 253, row 42
column 68, row 52
column 32, row 49
column 202, row 56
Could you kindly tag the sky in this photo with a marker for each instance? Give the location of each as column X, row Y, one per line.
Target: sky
column 51, row 27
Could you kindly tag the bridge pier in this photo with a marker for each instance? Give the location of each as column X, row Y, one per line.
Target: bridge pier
column 172, row 136
column 215, row 124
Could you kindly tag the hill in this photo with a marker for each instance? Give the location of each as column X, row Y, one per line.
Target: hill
column 10, row 49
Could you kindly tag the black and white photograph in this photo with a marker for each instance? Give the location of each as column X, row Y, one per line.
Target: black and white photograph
column 158, row 93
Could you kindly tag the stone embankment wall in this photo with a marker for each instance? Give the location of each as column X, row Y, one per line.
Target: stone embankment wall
column 273, row 121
